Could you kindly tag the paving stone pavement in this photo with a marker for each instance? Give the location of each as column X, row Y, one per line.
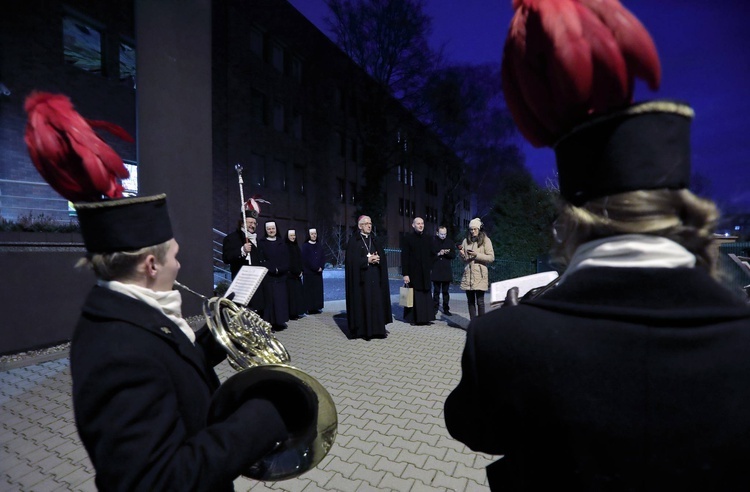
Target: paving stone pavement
column 389, row 395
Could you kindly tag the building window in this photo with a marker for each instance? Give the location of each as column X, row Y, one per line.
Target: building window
column 130, row 184
column 401, row 207
column 295, row 69
column 278, row 116
column 127, row 62
column 341, row 144
column 257, row 171
column 297, row 124
column 299, row 176
column 352, row 192
column 277, row 57
column 82, row 45
column 342, row 190
column 256, row 42
column 279, row 175
column 413, row 209
column 258, row 105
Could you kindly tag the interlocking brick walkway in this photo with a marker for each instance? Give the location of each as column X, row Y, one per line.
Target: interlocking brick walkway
column 389, row 395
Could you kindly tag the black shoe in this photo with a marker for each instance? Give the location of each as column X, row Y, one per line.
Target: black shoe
column 447, row 313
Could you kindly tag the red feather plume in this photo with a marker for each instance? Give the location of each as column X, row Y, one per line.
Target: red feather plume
column 67, row 152
column 567, row 59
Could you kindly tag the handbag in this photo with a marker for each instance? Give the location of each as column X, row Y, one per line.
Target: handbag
column 406, row 296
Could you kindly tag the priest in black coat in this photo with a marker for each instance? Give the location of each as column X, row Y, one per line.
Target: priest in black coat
column 313, row 263
column 368, row 296
column 416, row 264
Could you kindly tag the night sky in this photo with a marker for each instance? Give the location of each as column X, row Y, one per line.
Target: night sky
column 705, row 56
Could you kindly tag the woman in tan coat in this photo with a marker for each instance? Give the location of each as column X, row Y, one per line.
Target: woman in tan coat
column 476, row 250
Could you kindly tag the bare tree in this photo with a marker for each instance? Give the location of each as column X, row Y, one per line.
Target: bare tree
column 335, row 242
column 389, row 40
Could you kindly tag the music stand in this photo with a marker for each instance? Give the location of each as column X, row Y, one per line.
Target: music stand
column 744, row 263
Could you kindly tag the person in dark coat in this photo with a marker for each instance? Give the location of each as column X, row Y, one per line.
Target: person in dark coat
column 142, row 378
column 368, row 296
column 239, row 249
column 313, row 263
column 630, row 374
column 276, row 259
column 294, row 277
column 443, row 252
column 416, row 263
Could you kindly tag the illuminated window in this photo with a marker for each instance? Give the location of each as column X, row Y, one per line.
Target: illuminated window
column 82, row 45
column 127, row 62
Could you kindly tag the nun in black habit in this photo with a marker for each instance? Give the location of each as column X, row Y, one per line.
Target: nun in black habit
column 276, row 255
column 313, row 263
column 294, row 277
column 368, row 296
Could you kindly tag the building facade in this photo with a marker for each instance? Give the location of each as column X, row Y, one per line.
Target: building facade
column 311, row 130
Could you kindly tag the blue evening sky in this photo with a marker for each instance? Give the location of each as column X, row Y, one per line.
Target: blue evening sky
column 704, row 50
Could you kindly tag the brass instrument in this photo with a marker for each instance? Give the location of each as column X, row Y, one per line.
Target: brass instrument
column 262, row 361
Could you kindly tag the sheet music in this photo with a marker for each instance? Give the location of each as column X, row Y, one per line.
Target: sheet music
column 498, row 290
column 246, row 283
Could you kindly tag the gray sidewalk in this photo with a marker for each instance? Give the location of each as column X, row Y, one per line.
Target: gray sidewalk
column 389, row 396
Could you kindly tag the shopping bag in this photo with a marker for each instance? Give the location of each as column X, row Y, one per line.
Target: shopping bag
column 406, row 296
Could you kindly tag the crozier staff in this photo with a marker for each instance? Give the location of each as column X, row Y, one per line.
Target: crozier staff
column 631, row 373
column 142, row 378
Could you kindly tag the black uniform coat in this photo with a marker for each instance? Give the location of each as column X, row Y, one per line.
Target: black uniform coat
column 313, row 260
column 141, row 393
column 416, row 260
column 617, row 379
column 231, row 253
column 276, row 259
column 297, row 306
column 441, row 268
column 368, row 295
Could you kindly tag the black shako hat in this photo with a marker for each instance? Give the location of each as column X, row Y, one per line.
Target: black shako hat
column 645, row 146
column 124, row 224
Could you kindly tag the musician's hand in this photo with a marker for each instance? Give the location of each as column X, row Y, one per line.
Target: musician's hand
column 247, row 247
column 297, row 405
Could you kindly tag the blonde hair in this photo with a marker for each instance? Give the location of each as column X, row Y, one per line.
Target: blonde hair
column 121, row 265
column 678, row 215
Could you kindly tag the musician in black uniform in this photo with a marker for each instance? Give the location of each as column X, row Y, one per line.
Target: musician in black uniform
column 630, row 374
column 143, row 379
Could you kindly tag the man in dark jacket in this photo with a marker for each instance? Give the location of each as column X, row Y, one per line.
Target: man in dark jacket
column 416, row 263
column 443, row 251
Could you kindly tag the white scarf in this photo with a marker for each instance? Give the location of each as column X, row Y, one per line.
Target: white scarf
column 168, row 303
column 630, row 251
column 269, row 238
column 253, row 237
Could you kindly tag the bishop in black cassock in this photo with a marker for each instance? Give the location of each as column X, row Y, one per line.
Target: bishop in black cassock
column 368, row 296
